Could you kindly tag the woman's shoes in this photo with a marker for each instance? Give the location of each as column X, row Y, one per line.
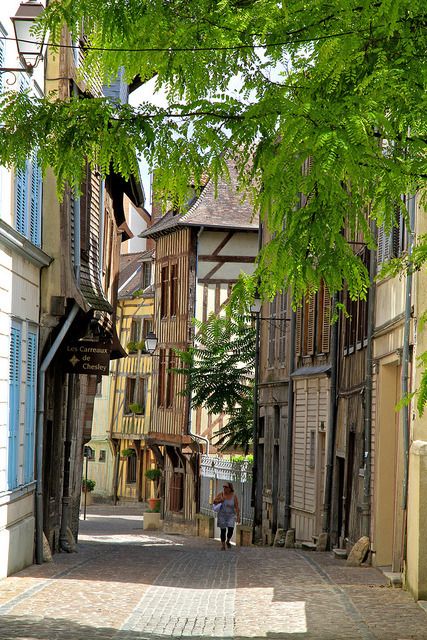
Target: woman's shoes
column 222, row 546
column 228, row 544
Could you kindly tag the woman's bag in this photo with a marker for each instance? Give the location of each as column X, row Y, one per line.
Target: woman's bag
column 217, row 507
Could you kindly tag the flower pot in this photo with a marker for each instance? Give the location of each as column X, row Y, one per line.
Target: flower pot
column 89, row 499
column 154, row 503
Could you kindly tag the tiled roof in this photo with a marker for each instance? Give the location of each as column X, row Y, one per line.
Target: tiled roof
column 167, row 222
column 222, row 207
column 218, row 207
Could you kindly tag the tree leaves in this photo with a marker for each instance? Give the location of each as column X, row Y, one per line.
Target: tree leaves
column 220, row 371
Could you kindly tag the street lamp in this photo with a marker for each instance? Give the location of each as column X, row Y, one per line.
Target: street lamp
column 150, row 342
column 29, row 49
column 256, row 305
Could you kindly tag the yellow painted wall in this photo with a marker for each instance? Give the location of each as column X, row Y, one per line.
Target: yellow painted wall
column 130, row 429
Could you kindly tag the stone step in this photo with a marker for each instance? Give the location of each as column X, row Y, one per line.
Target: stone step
column 341, row 554
column 394, row 579
column 308, row 546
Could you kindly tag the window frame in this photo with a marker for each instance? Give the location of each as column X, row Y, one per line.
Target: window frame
column 164, row 291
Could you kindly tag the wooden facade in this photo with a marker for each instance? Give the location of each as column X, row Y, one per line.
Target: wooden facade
column 130, row 400
column 273, row 424
column 198, row 258
column 84, row 233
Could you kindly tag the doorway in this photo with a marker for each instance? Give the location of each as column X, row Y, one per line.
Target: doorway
column 388, row 524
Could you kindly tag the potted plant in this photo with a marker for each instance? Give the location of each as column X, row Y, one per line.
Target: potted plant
column 132, row 347
column 136, row 408
column 154, row 475
column 87, row 487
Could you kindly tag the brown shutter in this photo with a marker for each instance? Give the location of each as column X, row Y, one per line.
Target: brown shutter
column 298, row 331
column 326, row 320
column 164, row 275
column 311, row 310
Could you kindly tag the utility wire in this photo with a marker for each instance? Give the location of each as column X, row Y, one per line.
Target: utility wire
column 193, row 49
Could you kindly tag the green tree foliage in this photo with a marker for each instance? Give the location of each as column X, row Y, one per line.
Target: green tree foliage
column 342, row 82
column 326, row 80
column 220, row 375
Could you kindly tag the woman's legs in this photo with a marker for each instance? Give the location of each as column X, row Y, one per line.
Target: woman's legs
column 229, row 535
column 223, row 532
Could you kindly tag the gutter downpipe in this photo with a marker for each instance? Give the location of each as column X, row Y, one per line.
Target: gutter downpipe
column 196, row 436
column 332, row 424
column 366, row 509
column 290, row 426
column 41, row 388
column 405, row 353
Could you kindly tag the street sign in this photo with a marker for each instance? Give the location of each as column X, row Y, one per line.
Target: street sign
column 87, row 356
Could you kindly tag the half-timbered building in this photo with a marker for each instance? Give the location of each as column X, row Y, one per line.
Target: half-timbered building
column 199, row 256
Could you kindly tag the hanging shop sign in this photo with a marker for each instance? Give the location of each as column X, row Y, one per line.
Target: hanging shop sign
column 87, row 356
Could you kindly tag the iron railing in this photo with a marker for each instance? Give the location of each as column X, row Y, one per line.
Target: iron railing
column 214, row 471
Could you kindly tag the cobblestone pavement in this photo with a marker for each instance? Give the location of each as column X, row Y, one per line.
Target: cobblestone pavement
column 124, row 584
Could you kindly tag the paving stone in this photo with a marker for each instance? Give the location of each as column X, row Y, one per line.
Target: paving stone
column 124, row 584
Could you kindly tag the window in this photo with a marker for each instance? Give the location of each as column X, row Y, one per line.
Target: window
column 89, row 453
column 356, row 323
column 30, row 406
column 170, row 379
column 312, row 450
column 282, row 328
column 313, row 324
column 135, row 330
column 309, row 325
column 129, row 394
column 28, row 192
column 102, row 455
column 174, row 289
column 164, row 291
column 147, row 326
column 135, row 393
column 323, row 320
column 146, row 275
column 14, row 402
column 131, row 468
column 393, row 243
column 272, row 333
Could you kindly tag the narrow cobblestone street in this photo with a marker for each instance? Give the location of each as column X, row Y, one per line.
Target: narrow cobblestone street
column 125, row 584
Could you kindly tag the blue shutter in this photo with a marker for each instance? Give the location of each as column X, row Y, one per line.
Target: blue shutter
column 35, row 201
column 30, row 406
column 21, row 199
column 14, row 391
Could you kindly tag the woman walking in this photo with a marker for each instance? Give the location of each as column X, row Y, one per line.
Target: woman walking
column 228, row 513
